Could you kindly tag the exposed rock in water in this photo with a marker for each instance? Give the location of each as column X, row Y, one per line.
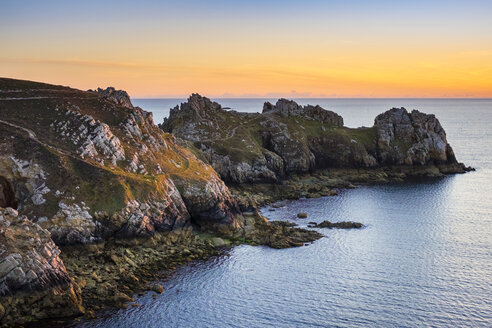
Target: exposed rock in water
column 336, row 225
column 288, row 139
column 34, row 283
column 280, row 234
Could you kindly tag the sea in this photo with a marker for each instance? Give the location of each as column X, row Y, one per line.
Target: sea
column 423, row 259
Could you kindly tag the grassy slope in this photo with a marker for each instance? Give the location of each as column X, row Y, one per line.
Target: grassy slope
column 246, row 143
column 101, row 187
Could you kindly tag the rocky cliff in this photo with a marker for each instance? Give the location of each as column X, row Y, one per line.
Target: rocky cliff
column 90, row 173
column 85, row 167
column 32, row 271
column 411, row 138
column 287, row 139
column 89, row 165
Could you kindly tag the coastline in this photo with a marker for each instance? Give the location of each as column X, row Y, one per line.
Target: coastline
column 144, row 263
column 127, row 202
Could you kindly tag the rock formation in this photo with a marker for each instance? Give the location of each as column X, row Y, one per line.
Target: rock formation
column 119, row 97
column 288, row 139
column 411, row 138
column 32, row 271
column 288, row 108
column 90, row 165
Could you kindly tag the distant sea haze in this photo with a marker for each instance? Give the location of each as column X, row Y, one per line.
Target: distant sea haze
column 424, row 258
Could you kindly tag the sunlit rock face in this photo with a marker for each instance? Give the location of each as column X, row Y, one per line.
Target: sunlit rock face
column 89, row 165
column 119, row 97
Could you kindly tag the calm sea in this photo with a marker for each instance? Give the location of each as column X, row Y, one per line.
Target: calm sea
column 424, row 259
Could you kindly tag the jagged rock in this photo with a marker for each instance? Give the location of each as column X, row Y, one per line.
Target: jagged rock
column 287, row 108
column 119, row 97
column 33, row 280
column 412, row 139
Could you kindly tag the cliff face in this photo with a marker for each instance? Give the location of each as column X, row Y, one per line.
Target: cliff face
column 411, row 138
column 89, row 165
column 290, row 139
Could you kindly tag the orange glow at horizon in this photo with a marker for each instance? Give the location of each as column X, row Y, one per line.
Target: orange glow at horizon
column 461, row 75
column 239, row 52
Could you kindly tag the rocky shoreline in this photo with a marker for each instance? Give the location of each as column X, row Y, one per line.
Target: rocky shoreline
column 97, row 202
column 329, row 182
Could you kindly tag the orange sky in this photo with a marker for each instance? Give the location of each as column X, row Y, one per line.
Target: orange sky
column 313, row 51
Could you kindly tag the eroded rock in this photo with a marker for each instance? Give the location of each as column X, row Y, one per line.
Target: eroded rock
column 33, row 280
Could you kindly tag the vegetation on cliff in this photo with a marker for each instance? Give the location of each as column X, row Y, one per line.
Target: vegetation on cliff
column 287, row 139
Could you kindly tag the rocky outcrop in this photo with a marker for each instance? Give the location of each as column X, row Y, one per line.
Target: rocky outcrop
column 287, row 108
column 119, row 97
column 211, row 206
column 289, row 139
column 93, row 173
column 34, row 283
column 411, row 138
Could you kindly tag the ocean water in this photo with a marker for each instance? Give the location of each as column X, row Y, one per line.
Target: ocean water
column 424, row 258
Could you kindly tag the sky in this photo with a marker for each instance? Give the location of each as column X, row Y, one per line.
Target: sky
column 253, row 48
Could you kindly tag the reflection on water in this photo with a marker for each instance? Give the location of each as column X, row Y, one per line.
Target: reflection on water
column 423, row 259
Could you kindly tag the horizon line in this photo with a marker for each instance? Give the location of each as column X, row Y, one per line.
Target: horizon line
column 286, row 97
